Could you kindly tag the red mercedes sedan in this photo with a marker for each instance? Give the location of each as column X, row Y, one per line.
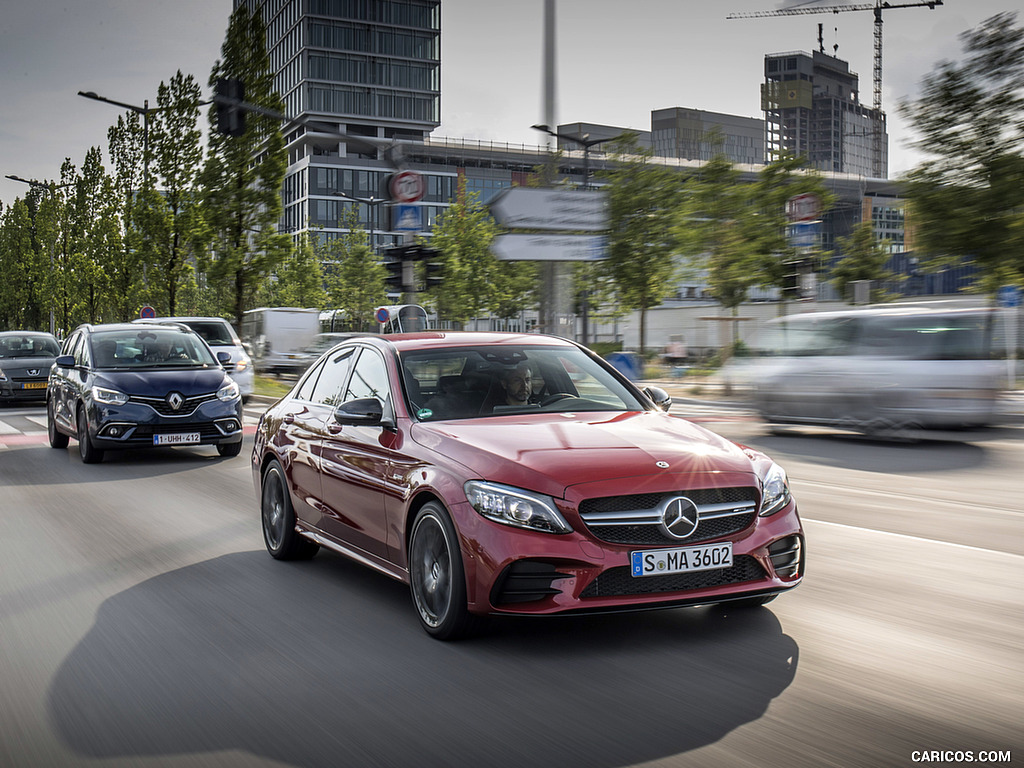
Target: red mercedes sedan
column 517, row 474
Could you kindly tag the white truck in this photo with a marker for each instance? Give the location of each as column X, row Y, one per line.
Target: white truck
column 278, row 336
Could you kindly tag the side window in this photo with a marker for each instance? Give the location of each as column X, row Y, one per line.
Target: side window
column 369, row 379
column 69, row 344
column 327, row 389
column 305, row 390
column 80, row 350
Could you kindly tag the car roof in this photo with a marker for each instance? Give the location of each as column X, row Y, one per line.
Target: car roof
column 403, row 342
column 27, row 333
column 133, row 327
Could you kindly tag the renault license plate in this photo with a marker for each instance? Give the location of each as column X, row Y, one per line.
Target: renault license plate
column 658, row 562
column 187, row 438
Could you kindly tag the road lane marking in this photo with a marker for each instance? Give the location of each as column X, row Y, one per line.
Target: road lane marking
column 911, row 537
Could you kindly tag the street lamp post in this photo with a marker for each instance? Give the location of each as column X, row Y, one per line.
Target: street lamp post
column 371, row 201
column 145, row 111
column 49, row 191
column 586, row 142
column 583, row 140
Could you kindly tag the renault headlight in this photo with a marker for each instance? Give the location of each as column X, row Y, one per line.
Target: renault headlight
column 108, row 396
column 228, row 392
column 774, row 491
column 516, row 507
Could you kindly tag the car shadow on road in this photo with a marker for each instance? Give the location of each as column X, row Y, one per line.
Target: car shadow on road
column 324, row 664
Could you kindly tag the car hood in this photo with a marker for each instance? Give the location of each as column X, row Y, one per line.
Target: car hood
column 154, row 383
column 551, row 452
column 19, row 366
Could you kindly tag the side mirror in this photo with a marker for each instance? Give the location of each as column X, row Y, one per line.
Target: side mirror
column 223, row 358
column 367, row 412
column 64, row 361
column 659, row 397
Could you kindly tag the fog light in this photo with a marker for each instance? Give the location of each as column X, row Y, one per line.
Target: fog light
column 115, row 431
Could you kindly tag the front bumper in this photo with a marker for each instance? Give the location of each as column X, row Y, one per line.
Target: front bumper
column 524, row 573
column 18, row 391
column 136, row 425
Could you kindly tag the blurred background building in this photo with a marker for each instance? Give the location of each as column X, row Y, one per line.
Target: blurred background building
column 374, row 69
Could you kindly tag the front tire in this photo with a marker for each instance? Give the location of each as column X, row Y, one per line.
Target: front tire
column 86, row 448
column 279, row 534
column 57, row 438
column 437, row 578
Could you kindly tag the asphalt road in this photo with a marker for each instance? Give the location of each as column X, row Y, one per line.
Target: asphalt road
column 143, row 624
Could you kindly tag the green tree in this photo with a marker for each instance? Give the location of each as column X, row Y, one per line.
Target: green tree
column 354, row 274
column 98, row 236
column 300, row 278
column 171, row 220
column 766, row 223
column 643, row 199
column 127, row 274
column 19, row 258
column 243, row 175
column 968, row 196
column 865, row 259
column 473, row 280
column 713, row 229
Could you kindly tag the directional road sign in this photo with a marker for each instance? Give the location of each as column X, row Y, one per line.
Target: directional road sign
column 523, row 247
column 553, row 209
column 406, row 217
column 1009, row 296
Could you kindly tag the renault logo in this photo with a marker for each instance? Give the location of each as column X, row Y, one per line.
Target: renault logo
column 175, row 401
column 680, row 518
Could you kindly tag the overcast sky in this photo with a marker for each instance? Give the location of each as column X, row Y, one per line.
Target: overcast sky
column 616, row 61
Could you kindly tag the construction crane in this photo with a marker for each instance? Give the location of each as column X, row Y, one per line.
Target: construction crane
column 878, row 6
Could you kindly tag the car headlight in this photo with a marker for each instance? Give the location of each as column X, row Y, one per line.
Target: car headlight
column 108, row 396
column 228, row 392
column 3, row 376
column 515, row 507
column 241, row 365
column 774, row 491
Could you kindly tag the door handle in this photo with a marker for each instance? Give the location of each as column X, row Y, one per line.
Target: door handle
column 334, row 429
column 289, row 418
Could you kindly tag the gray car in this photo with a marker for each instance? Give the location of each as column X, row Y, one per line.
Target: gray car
column 25, row 360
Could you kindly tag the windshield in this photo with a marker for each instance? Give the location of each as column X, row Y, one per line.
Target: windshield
column 28, row 345
column 471, row 382
column 170, row 348
column 215, row 334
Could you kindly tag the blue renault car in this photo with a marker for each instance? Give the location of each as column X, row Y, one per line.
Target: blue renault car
column 116, row 387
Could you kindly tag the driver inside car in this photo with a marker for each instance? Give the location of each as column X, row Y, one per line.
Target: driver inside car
column 517, row 385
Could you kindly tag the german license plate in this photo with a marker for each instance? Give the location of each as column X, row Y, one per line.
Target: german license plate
column 34, row 385
column 187, row 438
column 657, row 562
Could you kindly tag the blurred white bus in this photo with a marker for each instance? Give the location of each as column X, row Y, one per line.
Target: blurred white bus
column 879, row 369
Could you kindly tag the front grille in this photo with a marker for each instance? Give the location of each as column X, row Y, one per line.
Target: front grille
column 526, row 581
column 160, row 405
column 617, row 582
column 636, row 519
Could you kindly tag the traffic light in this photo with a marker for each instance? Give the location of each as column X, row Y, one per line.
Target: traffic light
column 394, row 280
column 228, row 95
column 433, row 274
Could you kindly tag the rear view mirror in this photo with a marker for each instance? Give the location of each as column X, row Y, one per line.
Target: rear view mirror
column 223, row 358
column 65, row 361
